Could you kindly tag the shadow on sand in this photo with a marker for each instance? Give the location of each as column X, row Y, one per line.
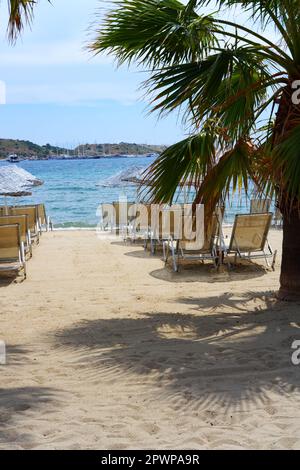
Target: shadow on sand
column 14, row 402
column 144, row 254
column 229, row 349
column 16, row 355
column 207, row 273
column 6, row 281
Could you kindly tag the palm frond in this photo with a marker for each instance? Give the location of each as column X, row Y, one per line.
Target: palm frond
column 219, row 72
column 284, row 15
column 230, row 174
column 154, row 32
column 187, row 161
column 286, row 166
column 20, row 13
column 229, row 85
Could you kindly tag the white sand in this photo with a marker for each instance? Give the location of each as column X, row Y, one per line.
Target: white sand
column 108, row 350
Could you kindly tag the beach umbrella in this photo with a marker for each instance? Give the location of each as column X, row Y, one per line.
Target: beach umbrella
column 136, row 177
column 127, row 177
column 16, row 182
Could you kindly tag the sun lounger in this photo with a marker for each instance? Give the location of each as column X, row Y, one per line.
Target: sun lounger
column 260, row 206
column 278, row 219
column 121, row 219
column 12, row 256
column 105, row 217
column 33, row 220
column 139, row 219
column 117, row 217
column 44, row 221
column 203, row 247
column 249, row 239
column 164, row 222
column 22, row 220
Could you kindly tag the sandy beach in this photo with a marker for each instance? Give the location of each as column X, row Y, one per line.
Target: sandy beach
column 106, row 349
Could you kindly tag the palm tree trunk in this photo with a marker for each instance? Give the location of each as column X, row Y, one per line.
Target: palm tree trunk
column 287, row 119
column 290, row 268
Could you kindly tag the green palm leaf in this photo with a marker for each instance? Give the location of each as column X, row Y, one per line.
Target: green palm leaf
column 167, row 33
column 230, row 174
column 187, row 161
column 218, row 71
column 20, row 13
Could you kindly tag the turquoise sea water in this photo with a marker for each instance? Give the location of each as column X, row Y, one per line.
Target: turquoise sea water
column 73, row 189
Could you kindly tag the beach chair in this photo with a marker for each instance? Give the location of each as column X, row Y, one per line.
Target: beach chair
column 138, row 223
column 164, row 222
column 105, row 216
column 278, row 219
column 45, row 222
column 143, row 226
column 129, row 228
column 249, row 239
column 22, row 220
column 120, row 218
column 260, row 206
column 186, row 249
column 12, row 255
column 4, row 210
column 33, row 219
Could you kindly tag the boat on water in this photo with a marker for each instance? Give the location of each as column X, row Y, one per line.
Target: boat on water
column 13, row 158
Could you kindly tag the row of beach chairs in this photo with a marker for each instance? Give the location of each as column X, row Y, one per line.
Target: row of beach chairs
column 20, row 228
column 249, row 237
column 249, row 240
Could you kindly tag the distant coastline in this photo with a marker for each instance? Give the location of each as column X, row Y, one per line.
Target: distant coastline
column 68, row 158
column 27, row 150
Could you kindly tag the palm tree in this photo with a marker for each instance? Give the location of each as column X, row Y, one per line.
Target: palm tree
column 238, row 90
column 20, row 13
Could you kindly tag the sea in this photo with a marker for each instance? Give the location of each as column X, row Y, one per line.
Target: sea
column 73, row 190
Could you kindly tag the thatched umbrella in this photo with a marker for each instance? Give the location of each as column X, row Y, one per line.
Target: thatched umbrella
column 134, row 176
column 16, row 182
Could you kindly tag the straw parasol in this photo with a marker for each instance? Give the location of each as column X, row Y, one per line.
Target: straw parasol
column 16, row 182
column 134, row 176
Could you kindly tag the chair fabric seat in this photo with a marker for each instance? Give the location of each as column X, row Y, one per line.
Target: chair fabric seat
column 10, row 266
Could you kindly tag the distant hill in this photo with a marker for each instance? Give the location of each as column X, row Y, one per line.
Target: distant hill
column 28, row 149
column 122, row 148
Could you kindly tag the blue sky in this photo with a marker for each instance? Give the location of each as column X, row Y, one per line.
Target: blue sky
column 58, row 93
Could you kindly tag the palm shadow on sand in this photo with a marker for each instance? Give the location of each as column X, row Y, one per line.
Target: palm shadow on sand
column 230, row 350
column 16, row 402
